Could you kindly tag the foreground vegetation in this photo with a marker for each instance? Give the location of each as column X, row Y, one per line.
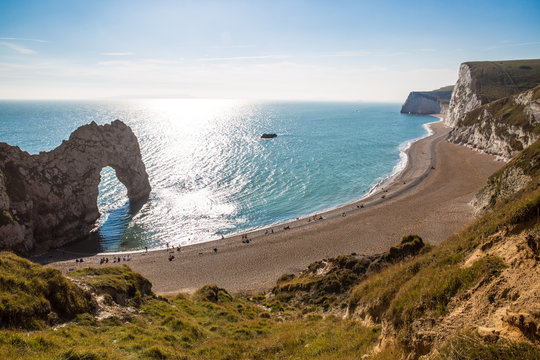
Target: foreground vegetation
column 211, row 324
column 343, row 308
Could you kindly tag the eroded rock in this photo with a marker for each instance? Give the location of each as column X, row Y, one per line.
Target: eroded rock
column 50, row 199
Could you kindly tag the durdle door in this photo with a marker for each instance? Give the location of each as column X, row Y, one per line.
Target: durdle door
column 50, row 199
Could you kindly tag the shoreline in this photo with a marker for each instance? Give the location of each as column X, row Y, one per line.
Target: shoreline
column 429, row 197
column 374, row 190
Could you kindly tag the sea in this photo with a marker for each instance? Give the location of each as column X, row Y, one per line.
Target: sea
column 211, row 173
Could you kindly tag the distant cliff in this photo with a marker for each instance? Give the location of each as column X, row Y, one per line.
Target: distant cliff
column 49, row 199
column 485, row 81
column 428, row 102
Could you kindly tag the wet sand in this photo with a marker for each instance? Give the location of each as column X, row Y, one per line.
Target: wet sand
column 430, row 197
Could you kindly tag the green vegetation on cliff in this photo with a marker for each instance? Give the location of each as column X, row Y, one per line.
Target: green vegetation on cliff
column 492, row 80
column 502, row 127
column 212, row 324
column 32, row 296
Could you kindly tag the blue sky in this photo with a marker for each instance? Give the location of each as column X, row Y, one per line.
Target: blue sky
column 298, row 50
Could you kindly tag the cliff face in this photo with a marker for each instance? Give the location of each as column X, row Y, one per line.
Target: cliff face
column 427, row 102
column 49, row 199
column 502, row 127
column 510, row 179
column 463, row 98
column 485, row 81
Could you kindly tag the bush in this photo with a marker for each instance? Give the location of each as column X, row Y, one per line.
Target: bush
column 31, row 295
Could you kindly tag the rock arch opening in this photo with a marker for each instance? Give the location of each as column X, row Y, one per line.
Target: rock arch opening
column 113, row 204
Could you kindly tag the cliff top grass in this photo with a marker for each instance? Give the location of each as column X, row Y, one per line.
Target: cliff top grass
column 32, row 296
column 446, row 88
column 442, row 95
column 493, row 80
column 119, row 282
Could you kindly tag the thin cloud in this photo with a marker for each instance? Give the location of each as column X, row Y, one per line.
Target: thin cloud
column 513, row 45
column 118, row 53
column 17, row 48
column 231, row 46
column 23, row 39
column 349, row 53
column 233, row 58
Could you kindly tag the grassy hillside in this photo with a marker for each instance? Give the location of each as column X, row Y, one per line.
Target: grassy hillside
column 212, row 324
column 33, row 297
column 473, row 297
column 492, row 80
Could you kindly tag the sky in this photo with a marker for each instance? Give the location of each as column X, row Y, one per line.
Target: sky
column 268, row 50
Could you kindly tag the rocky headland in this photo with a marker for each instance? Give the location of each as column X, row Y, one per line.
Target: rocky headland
column 428, row 102
column 502, row 127
column 494, row 106
column 50, row 199
column 482, row 82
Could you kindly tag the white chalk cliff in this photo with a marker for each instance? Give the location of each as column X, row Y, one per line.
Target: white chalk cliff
column 463, row 99
column 495, row 106
column 503, row 127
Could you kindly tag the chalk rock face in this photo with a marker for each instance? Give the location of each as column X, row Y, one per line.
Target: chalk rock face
column 464, row 99
column 418, row 103
column 50, row 199
column 481, row 82
column 502, row 127
column 427, row 102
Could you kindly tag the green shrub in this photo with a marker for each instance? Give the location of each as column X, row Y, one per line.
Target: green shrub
column 120, row 282
column 31, row 295
column 212, row 293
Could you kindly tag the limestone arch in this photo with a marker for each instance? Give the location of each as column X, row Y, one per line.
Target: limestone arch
column 61, row 186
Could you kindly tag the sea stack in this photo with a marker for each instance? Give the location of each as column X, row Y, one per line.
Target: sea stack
column 50, row 199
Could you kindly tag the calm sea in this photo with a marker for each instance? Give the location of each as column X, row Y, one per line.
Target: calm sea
column 210, row 172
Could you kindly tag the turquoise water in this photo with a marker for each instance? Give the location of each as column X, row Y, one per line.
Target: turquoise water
column 210, row 172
